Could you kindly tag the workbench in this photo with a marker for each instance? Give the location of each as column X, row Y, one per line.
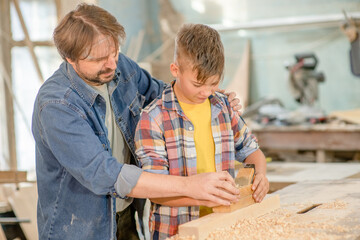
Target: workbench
column 308, row 210
column 317, row 201
column 282, row 174
column 321, row 138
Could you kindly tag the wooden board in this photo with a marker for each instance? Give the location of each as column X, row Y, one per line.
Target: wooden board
column 202, row 227
column 351, row 116
column 309, row 210
column 292, row 172
column 24, row 205
column 245, row 201
column 241, row 80
column 13, row 176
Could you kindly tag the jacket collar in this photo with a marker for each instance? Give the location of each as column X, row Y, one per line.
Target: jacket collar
column 85, row 91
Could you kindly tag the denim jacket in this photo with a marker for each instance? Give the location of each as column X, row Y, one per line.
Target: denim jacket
column 77, row 177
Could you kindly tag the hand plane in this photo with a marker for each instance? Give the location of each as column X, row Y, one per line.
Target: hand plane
column 243, row 180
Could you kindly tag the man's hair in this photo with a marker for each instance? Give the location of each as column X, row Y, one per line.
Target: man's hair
column 76, row 32
column 201, row 47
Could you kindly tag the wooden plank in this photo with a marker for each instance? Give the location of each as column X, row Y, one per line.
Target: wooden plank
column 309, row 210
column 245, row 201
column 2, row 234
column 309, row 140
column 201, row 227
column 13, row 176
column 28, row 42
column 5, row 61
column 24, row 205
column 351, row 116
column 291, row 172
column 241, row 79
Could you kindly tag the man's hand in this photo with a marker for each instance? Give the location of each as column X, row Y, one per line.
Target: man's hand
column 233, row 100
column 216, row 187
column 260, row 187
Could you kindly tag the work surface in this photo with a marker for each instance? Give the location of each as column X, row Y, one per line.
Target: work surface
column 319, row 138
column 298, row 172
column 337, row 216
column 309, row 210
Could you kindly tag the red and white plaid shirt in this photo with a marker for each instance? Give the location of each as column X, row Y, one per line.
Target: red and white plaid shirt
column 165, row 144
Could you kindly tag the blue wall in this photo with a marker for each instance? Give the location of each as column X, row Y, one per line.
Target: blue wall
column 270, row 48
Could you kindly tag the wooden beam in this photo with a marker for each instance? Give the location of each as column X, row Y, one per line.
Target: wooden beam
column 22, row 43
column 23, row 203
column 285, row 138
column 13, row 176
column 202, row 227
column 5, row 60
column 58, row 10
column 241, row 81
column 28, row 41
column 244, row 201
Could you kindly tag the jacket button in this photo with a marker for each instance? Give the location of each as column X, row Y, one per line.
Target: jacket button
column 190, row 128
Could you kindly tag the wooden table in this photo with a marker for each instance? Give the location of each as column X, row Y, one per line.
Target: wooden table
column 321, row 210
column 321, row 138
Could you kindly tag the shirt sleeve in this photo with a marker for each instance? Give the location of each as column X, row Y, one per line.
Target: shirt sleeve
column 78, row 149
column 150, row 145
column 245, row 142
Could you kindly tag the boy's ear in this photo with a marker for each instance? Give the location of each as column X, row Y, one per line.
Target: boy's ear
column 174, row 69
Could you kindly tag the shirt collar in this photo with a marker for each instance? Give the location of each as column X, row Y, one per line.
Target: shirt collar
column 85, row 91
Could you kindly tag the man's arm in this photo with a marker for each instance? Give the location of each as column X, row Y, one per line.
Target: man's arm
column 209, row 188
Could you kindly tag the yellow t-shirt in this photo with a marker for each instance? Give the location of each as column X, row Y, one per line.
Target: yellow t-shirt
column 200, row 117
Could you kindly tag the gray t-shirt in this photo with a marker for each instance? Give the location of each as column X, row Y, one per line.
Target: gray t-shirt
column 120, row 150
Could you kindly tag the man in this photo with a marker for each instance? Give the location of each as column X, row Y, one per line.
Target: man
column 84, row 122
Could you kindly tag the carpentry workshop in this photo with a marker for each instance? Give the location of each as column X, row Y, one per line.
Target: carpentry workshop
column 179, row 120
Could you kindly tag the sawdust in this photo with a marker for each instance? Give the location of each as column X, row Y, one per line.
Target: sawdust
column 338, row 204
column 285, row 224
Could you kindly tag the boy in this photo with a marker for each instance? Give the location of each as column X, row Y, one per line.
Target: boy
column 192, row 129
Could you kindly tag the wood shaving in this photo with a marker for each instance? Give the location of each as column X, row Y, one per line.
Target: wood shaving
column 283, row 224
column 338, row 204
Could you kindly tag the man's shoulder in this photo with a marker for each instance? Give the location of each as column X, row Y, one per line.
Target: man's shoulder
column 56, row 89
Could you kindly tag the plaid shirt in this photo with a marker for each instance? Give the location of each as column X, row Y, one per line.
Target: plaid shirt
column 165, row 144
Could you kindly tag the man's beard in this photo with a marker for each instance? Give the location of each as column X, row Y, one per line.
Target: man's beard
column 96, row 79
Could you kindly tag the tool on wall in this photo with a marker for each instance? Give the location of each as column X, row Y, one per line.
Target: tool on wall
column 304, row 79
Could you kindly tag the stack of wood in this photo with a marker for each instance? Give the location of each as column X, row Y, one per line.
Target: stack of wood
column 18, row 198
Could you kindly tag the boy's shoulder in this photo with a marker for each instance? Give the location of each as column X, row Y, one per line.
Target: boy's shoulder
column 153, row 106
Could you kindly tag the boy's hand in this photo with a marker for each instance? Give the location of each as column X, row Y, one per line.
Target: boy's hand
column 233, row 100
column 260, row 187
column 216, row 187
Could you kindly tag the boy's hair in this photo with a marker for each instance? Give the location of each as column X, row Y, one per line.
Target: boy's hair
column 75, row 34
column 200, row 46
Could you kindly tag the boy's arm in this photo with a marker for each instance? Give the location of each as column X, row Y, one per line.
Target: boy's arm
column 261, row 184
column 247, row 149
